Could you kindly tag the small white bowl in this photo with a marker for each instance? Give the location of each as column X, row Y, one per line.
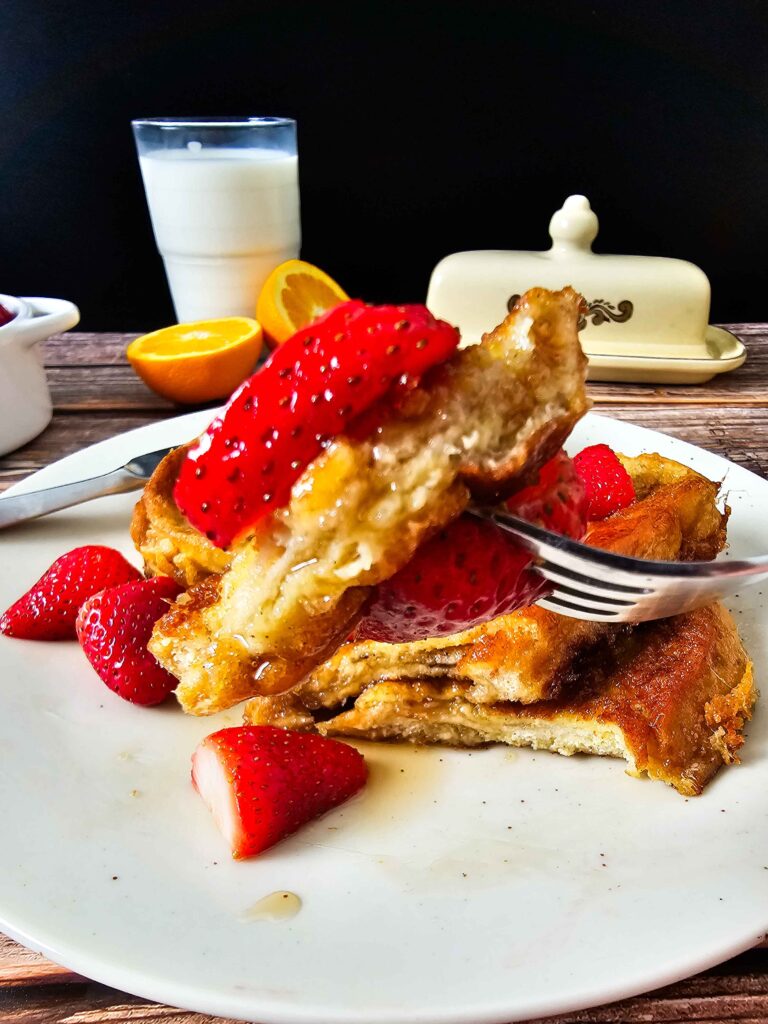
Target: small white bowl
column 25, row 400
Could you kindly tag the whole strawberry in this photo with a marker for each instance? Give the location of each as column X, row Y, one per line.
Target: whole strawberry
column 608, row 485
column 472, row 571
column 311, row 389
column 49, row 609
column 263, row 783
column 114, row 627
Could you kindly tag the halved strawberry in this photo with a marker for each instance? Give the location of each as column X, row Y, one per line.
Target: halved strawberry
column 263, row 783
column 472, row 571
column 309, row 391
column 48, row 609
column 557, row 501
column 608, row 485
column 468, row 573
column 114, row 627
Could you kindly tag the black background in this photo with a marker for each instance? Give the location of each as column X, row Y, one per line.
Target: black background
column 423, row 129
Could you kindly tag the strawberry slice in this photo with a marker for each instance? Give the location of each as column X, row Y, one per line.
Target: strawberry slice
column 557, row 501
column 48, row 609
column 467, row 573
column 114, row 627
column 608, row 485
column 309, row 391
column 262, row 783
column 472, row 571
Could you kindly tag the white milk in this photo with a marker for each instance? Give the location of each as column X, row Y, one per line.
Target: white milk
column 223, row 219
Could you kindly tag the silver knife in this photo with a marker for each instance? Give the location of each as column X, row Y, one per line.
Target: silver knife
column 18, row 508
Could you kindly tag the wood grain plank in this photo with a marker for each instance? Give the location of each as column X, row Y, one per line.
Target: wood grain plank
column 736, row 991
column 79, row 348
column 116, row 387
column 21, row 966
column 106, row 389
column 107, row 348
column 76, row 351
column 737, row 433
column 91, row 1004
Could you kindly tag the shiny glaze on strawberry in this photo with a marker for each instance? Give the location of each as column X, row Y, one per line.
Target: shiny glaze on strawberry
column 49, row 609
column 607, row 484
column 312, row 389
column 472, row 571
column 114, row 627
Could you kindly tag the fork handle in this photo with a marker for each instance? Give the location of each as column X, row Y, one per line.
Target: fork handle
column 18, row 508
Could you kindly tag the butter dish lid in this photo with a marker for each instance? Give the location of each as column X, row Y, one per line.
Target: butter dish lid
column 639, row 307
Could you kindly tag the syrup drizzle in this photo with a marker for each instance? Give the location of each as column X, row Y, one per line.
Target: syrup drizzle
column 277, row 906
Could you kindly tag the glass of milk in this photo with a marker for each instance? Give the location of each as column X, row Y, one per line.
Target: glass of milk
column 223, row 195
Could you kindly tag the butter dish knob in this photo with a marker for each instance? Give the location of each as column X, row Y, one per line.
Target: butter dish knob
column 574, row 227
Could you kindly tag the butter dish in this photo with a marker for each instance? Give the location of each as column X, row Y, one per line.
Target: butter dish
column 646, row 319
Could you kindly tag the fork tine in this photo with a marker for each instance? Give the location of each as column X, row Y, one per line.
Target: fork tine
column 607, row 590
column 594, row 599
column 586, row 565
column 570, row 556
column 604, row 586
column 593, row 614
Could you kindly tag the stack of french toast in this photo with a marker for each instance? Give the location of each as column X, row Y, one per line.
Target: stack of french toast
column 273, row 595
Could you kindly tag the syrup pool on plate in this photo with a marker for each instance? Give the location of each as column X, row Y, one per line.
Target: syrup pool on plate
column 277, row 906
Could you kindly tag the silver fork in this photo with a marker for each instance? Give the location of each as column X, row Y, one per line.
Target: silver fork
column 603, row 587
column 587, row 583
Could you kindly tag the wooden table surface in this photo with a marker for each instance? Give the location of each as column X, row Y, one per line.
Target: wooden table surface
column 96, row 395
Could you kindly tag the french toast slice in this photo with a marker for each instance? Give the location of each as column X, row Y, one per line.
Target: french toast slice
column 671, row 697
column 482, row 425
column 164, row 537
column 526, row 655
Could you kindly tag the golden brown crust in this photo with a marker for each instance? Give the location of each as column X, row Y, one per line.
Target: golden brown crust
column 292, row 589
column 171, row 546
column 672, row 697
column 726, row 714
column 225, row 673
column 553, row 316
column 665, row 676
column 525, row 656
column 676, row 518
column 168, row 543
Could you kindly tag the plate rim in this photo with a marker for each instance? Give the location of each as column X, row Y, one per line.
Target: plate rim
column 219, row 1006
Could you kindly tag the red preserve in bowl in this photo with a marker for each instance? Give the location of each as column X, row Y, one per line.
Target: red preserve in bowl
column 5, row 315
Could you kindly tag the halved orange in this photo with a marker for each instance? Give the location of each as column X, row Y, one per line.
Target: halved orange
column 294, row 295
column 200, row 361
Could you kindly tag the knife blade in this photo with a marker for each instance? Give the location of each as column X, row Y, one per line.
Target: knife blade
column 18, row 508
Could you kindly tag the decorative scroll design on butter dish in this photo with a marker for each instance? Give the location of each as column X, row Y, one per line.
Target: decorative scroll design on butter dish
column 599, row 311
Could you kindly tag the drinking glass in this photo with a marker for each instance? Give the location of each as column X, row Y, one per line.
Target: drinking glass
column 223, row 196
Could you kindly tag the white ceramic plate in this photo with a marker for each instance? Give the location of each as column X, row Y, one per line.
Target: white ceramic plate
column 459, row 887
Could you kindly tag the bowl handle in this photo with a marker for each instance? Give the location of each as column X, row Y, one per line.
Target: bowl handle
column 49, row 316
